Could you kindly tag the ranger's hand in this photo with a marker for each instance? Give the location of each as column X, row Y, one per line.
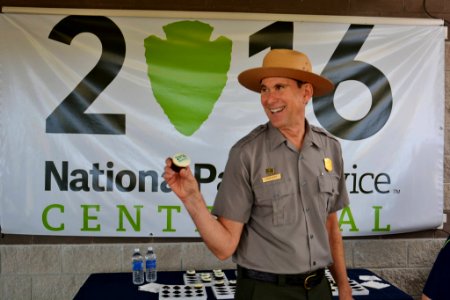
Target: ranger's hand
column 182, row 183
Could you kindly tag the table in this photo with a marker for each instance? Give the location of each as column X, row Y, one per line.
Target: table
column 119, row 286
column 389, row 293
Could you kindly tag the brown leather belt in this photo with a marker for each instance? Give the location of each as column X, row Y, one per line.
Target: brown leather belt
column 307, row 280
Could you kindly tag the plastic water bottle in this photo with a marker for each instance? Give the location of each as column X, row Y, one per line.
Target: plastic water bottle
column 150, row 265
column 138, row 267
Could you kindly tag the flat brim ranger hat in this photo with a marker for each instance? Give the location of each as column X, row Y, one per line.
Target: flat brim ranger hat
column 289, row 64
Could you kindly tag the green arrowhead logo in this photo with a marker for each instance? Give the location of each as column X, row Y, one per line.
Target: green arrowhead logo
column 187, row 72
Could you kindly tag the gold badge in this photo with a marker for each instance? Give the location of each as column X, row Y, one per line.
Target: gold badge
column 328, row 164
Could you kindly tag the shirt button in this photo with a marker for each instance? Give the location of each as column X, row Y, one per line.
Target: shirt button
column 314, row 263
column 311, row 236
column 307, row 209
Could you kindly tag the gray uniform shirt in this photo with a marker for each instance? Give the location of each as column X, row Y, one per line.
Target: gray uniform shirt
column 284, row 197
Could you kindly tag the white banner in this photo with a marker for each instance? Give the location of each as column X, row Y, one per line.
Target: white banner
column 91, row 106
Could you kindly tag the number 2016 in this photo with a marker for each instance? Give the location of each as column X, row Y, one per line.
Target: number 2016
column 70, row 116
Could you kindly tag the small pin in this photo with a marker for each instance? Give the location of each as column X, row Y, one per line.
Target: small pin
column 270, row 171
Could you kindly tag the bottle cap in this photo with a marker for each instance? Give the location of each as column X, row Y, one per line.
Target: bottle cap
column 179, row 161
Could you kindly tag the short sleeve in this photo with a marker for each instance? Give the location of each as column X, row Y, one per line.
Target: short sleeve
column 234, row 198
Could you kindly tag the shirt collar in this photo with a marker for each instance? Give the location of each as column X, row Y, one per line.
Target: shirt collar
column 276, row 138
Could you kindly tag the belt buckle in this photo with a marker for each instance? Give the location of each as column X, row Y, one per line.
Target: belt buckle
column 306, row 284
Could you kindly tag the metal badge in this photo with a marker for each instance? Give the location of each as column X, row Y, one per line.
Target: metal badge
column 328, row 164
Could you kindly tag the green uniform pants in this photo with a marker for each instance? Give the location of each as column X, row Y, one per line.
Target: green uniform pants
column 251, row 289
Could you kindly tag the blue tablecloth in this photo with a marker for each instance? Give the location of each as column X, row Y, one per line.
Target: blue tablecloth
column 119, row 286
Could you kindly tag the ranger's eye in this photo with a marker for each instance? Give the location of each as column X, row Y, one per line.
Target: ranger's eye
column 279, row 87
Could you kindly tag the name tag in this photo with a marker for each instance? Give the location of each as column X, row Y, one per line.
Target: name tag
column 271, row 177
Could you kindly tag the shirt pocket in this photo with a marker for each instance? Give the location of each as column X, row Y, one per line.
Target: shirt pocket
column 276, row 202
column 328, row 192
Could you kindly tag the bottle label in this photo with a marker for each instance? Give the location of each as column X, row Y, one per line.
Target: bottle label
column 137, row 266
column 150, row 264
